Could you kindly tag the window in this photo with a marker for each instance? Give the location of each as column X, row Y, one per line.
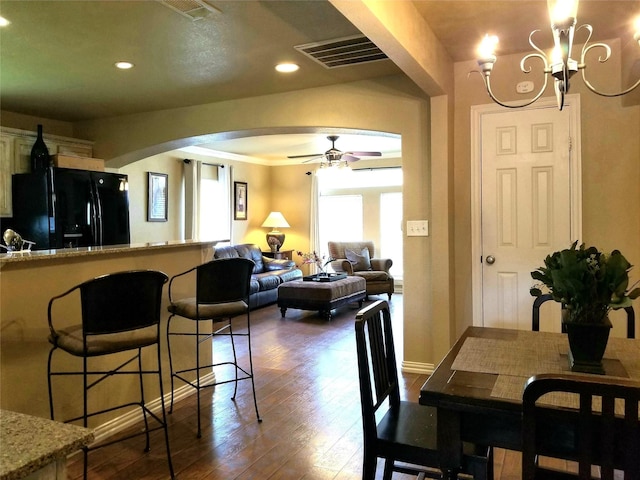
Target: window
column 207, row 200
column 340, row 219
column 213, row 225
column 363, row 205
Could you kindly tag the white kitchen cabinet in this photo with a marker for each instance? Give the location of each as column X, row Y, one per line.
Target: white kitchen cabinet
column 6, row 170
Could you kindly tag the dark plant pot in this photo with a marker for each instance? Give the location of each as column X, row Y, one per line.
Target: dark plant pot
column 587, row 343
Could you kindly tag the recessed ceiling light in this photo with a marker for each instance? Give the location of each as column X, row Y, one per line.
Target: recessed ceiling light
column 4, row 22
column 287, row 67
column 124, row 65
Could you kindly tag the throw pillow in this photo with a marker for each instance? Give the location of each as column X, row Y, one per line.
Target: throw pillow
column 360, row 261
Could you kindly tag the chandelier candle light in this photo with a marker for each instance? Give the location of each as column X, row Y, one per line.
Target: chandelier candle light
column 563, row 16
column 275, row 238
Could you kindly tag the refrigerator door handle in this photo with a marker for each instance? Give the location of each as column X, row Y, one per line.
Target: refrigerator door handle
column 93, row 221
column 98, row 224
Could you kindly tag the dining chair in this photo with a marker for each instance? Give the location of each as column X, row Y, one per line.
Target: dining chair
column 406, row 434
column 120, row 312
column 537, row 303
column 605, row 426
column 222, row 293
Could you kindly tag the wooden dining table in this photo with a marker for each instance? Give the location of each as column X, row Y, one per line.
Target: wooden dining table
column 477, row 388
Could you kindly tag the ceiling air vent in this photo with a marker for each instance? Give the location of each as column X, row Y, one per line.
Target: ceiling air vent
column 343, row 52
column 193, row 9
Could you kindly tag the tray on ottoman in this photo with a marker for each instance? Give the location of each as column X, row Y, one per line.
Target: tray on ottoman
column 327, row 277
column 321, row 296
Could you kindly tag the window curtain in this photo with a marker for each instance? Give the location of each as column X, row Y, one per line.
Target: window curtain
column 314, row 216
column 218, row 204
column 191, row 173
column 225, row 201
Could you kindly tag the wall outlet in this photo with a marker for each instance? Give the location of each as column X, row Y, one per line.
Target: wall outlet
column 417, row 228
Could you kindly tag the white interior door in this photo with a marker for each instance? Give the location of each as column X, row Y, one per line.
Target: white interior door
column 527, row 203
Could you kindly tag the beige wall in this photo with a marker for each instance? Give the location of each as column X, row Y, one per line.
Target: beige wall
column 143, row 231
column 257, row 177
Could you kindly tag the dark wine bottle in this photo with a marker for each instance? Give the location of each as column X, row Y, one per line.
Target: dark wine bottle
column 40, row 159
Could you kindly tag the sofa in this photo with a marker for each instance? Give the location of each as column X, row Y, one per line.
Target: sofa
column 268, row 273
column 357, row 258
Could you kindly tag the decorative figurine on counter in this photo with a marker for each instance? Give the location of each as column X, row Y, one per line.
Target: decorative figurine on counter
column 15, row 243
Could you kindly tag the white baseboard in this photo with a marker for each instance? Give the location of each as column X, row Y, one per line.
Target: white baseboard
column 417, row 367
column 133, row 417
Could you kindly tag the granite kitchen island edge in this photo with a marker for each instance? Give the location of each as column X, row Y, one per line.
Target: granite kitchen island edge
column 34, row 447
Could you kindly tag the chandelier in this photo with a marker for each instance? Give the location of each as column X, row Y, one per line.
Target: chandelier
column 560, row 65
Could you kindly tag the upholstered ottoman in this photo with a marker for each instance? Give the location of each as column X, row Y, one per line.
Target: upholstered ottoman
column 321, row 296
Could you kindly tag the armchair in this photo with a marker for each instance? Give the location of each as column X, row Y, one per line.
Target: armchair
column 356, row 258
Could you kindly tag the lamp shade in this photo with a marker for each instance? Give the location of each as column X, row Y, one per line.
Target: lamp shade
column 275, row 238
column 275, row 220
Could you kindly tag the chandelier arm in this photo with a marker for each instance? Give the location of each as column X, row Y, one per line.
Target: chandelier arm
column 487, row 79
column 537, row 49
column 601, row 59
column 487, row 82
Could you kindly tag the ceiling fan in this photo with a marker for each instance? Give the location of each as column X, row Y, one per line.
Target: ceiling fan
column 334, row 157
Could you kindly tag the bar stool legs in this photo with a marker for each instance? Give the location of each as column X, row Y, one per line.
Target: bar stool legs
column 239, row 374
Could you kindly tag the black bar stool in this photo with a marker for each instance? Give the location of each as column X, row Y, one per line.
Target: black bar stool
column 120, row 312
column 222, row 293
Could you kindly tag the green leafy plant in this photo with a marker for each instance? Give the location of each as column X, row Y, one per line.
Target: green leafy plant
column 586, row 281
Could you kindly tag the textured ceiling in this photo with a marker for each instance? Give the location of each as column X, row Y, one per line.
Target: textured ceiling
column 459, row 25
column 57, row 56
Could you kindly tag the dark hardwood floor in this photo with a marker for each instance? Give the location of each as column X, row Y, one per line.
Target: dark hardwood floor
column 307, row 389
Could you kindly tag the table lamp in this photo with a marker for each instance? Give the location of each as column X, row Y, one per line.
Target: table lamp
column 275, row 238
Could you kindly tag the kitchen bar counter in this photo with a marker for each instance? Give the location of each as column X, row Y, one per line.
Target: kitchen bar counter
column 34, row 447
column 29, row 280
column 41, row 255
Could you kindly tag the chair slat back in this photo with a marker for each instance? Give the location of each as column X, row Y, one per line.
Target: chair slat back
column 377, row 368
column 535, row 311
column 224, row 280
column 121, row 301
column 601, row 435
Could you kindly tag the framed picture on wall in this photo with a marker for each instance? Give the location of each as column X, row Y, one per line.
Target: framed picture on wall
column 240, row 200
column 158, row 205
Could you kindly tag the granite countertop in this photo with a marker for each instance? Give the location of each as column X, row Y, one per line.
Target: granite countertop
column 27, row 256
column 29, row 443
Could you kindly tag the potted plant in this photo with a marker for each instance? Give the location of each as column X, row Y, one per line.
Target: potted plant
column 588, row 284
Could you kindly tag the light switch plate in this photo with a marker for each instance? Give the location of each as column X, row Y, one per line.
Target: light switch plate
column 418, row 228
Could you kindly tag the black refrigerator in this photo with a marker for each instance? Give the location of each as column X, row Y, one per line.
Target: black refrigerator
column 67, row 208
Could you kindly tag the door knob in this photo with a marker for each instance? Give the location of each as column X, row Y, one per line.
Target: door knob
column 491, row 259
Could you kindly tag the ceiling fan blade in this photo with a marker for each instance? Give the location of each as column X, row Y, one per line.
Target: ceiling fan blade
column 364, row 154
column 314, row 157
column 308, row 155
column 349, row 158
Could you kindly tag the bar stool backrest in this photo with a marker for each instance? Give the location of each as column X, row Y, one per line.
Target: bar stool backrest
column 121, row 301
column 224, row 280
